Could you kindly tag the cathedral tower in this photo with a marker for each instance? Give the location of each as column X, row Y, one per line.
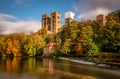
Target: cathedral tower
column 69, row 17
column 101, row 20
column 51, row 22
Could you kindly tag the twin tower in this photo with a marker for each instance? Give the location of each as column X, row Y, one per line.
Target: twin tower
column 52, row 22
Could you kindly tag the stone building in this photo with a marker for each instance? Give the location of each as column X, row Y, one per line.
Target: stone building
column 101, row 20
column 49, row 49
column 69, row 17
column 68, row 20
column 51, row 22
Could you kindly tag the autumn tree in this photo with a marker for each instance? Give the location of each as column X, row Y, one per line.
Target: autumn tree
column 8, row 47
column 2, row 45
column 16, row 50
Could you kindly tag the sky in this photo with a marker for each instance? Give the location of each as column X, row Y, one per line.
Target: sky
column 25, row 15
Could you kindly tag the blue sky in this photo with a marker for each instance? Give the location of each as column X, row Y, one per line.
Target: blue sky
column 33, row 9
column 25, row 15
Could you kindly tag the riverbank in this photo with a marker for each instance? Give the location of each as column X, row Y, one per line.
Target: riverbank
column 99, row 64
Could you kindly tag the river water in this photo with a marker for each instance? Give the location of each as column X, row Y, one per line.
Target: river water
column 51, row 68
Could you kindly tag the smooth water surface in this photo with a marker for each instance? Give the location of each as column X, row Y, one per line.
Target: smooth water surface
column 50, row 68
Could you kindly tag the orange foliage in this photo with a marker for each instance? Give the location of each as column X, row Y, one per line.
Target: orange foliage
column 16, row 48
column 13, row 47
column 81, row 41
column 9, row 46
column 78, row 49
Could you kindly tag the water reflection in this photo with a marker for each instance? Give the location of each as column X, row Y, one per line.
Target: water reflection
column 46, row 68
column 10, row 64
column 48, row 65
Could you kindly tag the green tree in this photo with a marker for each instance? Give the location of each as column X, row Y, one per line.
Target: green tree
column 43, row 33
column 33, row 45
column 69, row 31
column 85, row 34
column 114, row 16
column 39, row 43
column 93, row 49
column 66, row 47
column 111, row 41
column 50, row 38
column 29, row 49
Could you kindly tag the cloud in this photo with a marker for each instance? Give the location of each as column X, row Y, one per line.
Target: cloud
column 6, row 16
column 10, row 26
column 90, row 7
column 92, row 14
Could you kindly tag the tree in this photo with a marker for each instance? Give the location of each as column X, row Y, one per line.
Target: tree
column 2, row 45
column 67, row 36
column 8, row 47
column 43, row 32
column 111, row 41
column 16, row 50
column 85, row 34
column 29, row 49
column 39, row 43
column 69, row 31
column 33, row 45
column 93, row 49
column 50, row 38
column 66, row 47
column 77, row 47
column 114, row 16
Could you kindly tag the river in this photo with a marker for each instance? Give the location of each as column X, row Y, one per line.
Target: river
column 52, row 68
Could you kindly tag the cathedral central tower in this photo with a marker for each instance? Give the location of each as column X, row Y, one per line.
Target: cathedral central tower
column 51, row 22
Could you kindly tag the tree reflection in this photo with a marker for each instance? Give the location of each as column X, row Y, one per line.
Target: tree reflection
column 12, row 64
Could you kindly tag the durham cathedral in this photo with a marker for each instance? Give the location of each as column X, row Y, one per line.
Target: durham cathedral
column 52, row 22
